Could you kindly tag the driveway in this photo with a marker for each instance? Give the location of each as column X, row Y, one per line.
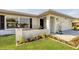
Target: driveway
column 71, row 32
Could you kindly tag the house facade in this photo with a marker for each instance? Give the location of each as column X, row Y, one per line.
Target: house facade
column 50, row 20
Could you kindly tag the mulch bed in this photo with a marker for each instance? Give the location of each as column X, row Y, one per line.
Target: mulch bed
column 74, row 42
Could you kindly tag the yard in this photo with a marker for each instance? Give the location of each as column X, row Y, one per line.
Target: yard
column 8, row 43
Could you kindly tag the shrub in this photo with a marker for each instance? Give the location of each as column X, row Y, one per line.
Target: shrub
column 41, row 36
column 17, row 42
column 21, row 41
column 29, row 40
column 61, row 40
column 75, row 41
column 26, row 41
column 46, row 35
column 32, row 38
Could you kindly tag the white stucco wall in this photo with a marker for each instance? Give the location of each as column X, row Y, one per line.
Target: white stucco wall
column 66, row 24
column 35, row 23
column 29, row 33
column 52, row 25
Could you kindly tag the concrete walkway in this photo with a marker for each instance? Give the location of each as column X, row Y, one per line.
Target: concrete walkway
column 65, row 37
column 71, row 32
column 68, row 35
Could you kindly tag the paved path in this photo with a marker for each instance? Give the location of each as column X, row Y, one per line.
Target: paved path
column 71, row 32
column 65, row 37
column 68, row 35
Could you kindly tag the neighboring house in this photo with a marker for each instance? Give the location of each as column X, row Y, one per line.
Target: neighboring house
column 48, row 20
column 75, row 24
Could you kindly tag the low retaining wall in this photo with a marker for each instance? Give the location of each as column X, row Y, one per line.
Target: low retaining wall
column 29, row 33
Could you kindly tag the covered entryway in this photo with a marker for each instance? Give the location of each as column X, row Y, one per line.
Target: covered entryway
column 51, row 24
column 2, row 22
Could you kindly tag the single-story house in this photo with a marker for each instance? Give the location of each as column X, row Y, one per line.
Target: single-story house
column 50, row 20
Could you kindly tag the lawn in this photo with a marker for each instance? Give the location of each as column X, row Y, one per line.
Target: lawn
column 8, row 43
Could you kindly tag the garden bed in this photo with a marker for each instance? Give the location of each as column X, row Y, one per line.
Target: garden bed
column 8, row 43
column 73, row 43
column 33, row 38
column 23, row 37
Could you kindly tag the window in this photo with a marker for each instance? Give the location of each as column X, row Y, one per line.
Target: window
column 1, row 22
column 24, row 22
column 11, row 22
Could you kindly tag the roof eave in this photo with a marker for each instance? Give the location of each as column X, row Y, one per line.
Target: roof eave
column 55, row 12
column 17, row 13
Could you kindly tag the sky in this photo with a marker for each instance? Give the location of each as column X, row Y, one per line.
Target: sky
column 70, row 12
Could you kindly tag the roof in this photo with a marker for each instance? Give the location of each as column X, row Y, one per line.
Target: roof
column 33, row 15
column 16, row 13
column 55, row 13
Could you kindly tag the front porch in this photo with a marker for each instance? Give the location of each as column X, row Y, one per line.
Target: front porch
column 51, row 23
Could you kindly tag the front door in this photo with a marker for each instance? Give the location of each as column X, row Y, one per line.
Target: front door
column 31, row 23
column 1, row 22
column 42, row 23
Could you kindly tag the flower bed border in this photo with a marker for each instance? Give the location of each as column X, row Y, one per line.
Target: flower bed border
column 53, row 38
column 63, row 42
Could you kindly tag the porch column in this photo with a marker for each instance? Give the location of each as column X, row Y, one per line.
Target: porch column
column 18, row 20
column 48, row 22
column 55, row 25
column 5, row 23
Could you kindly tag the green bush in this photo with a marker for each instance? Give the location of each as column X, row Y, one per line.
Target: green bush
column 41, row 36
column 21, row 40
column 75, row 41
column 75, row 28
column 32, row 39
column 46, row 35
column 29, row 40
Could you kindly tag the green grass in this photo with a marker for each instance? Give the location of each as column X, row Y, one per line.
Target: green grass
column 8, row 43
